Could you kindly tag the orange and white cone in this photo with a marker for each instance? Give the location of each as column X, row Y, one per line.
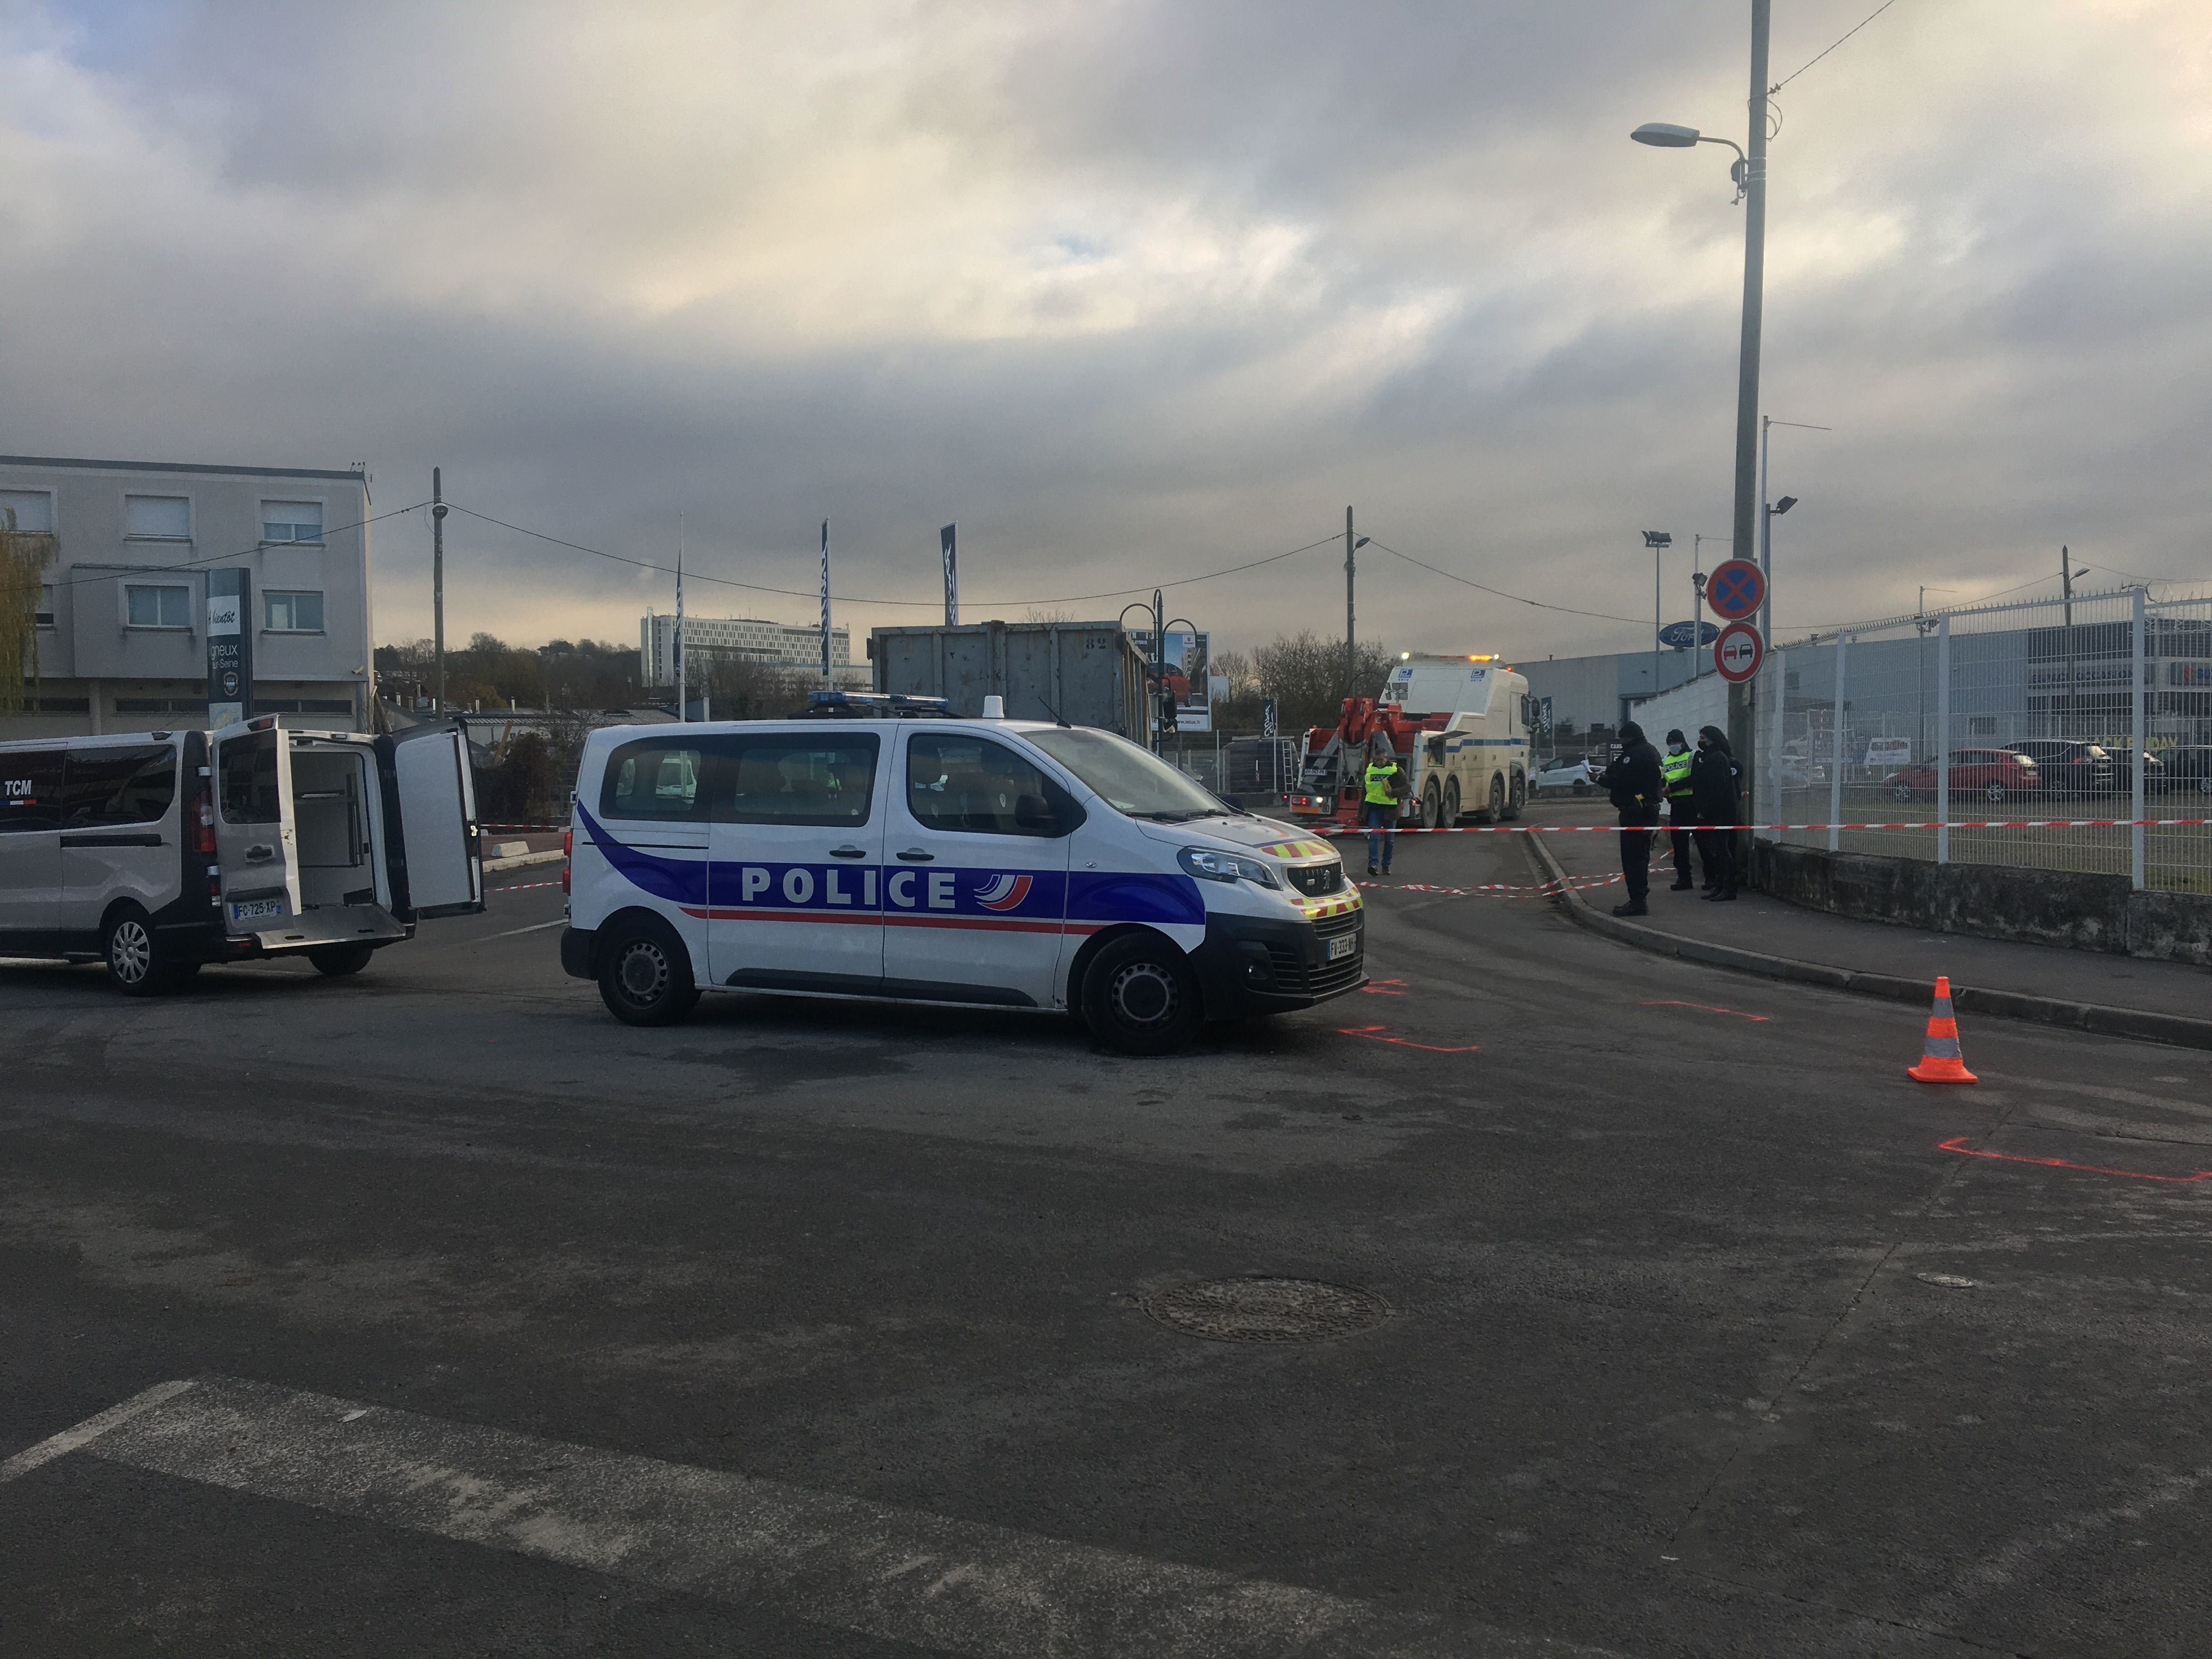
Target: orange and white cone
column 1941, row 1060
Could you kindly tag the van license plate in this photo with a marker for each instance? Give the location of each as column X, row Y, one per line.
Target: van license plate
column 1340, row 948
column 253, row 910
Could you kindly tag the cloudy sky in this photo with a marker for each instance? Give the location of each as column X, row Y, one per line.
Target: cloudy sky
column 1132, row 290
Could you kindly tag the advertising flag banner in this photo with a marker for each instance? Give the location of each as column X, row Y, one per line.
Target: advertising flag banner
column 229, row 647
column 825, row 598
column 950, row 550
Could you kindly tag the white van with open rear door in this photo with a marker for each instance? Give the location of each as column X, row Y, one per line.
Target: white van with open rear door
column 158, row 852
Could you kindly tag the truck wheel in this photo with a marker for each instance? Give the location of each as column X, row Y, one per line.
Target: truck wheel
column 645, row 975
column 1451, row 802
column 127, row 947
column 1139, row 996
column 1519, row 796
column 1495, row 810
column 1432, row 807
column 339, row 960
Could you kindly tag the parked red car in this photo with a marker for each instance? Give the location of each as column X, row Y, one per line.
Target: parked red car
column 1992, row 774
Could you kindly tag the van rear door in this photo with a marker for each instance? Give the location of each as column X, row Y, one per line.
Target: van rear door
column 256, row 838
column 435, row 868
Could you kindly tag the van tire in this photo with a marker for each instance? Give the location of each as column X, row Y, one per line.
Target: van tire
column 645, row 973
column 1140, row 997
column 126, row 946
column 339, row 960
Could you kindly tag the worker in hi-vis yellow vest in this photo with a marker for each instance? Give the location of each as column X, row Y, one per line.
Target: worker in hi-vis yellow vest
column 1384, row 782
column 1681, row 817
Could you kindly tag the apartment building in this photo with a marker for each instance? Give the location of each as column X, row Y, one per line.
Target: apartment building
column 753, row 639
column 121, row 630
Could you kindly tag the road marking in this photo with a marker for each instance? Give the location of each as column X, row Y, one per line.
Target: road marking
column 537, row 927
column 91, row 1429
column 1708, row 1008
column 898, row 1574
column 1379, row 1033
column 1957, row 1144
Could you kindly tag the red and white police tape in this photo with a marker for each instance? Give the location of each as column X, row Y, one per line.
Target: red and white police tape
column 1613, row 829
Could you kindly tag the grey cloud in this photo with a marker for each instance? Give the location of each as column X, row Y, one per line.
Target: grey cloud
column 1130, row 291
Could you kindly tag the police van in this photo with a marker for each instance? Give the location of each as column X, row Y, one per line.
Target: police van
column 881, row 848
column 158, row 852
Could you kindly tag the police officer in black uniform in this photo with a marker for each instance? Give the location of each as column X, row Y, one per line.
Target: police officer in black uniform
column 1633, row 779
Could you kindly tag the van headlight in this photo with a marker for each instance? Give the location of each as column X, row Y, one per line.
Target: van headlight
column 1209, row 864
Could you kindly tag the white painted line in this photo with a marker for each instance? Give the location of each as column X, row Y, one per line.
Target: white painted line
column 535, row 928
column 91, row 1429
column 898, row 1574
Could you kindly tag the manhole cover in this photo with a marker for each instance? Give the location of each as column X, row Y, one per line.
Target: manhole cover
column 1259, row 1310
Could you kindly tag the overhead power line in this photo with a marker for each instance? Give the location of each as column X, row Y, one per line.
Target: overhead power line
column 129, row 571
column 853, row 598
column 1862, row 23
column 1468, row 581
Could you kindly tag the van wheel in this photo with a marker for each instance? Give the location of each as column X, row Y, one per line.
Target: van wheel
column 1139, row 996
column 645, row 977
column 338, row 960
column 127, row 947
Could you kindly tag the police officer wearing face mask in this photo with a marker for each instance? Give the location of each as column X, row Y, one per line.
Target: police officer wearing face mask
column 1633, row 780
column 1717, row 795
column 1674, row 769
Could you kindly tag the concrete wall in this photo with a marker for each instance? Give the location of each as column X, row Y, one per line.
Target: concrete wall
column 2045, row 907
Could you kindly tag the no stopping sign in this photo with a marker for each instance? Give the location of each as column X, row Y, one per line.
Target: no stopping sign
column 1738, row 652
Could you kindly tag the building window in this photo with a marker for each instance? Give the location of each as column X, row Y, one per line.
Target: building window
column 291, row 521
column 291, row 613
column 27, row 509
column 157, row 607
column 157, row 518
column 46, row 617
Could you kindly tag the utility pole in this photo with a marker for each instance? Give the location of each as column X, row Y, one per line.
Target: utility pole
column 1351, row 660
column 1159, row 670
column 2066, row 584
column 438, row 579
column 1745, row 527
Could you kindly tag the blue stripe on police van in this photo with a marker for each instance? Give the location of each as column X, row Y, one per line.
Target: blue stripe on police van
column 1018, row 900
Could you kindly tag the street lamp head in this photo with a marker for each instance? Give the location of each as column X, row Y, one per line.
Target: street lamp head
column 1665, row 135
column 1361, row 543
column 1785, row 505
column 1655, row 538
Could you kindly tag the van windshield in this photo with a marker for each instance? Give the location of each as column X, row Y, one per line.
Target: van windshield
column 1132, row 780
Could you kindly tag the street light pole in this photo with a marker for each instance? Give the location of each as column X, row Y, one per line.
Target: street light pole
column 1658, row 541
column 1754, row 279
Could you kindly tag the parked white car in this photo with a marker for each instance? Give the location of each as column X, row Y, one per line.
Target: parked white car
column 1568, row 773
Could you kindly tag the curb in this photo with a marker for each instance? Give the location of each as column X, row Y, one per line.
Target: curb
column 522, row 858
column 2098, row 1018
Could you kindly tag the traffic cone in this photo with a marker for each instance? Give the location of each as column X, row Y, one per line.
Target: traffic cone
column 1940, row 1059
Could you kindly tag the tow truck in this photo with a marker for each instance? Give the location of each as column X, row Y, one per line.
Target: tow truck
column 1458, row 724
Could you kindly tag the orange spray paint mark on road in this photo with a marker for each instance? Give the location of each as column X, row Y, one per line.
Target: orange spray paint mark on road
column 1378, row 1034
column 1708, row 1008
column 1957, row 1144
column 1384, row 987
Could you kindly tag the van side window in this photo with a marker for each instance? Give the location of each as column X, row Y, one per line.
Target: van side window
column 978, row 786
column 654, row 778
column 117, row 786
column 796, row 778
column 246, row 770
column 30, row 790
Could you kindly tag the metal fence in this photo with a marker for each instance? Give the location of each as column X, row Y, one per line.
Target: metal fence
column 2099, row 707
column 1230, row 764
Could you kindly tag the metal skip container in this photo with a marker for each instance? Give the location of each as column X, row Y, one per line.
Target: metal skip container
column 1088, row 674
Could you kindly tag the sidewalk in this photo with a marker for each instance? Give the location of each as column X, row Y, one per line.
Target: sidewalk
column 2120, row 996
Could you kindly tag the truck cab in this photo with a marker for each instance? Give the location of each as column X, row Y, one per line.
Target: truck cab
column 1470, row 753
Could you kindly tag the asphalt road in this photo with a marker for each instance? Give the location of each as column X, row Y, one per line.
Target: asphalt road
column 786, row 1309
